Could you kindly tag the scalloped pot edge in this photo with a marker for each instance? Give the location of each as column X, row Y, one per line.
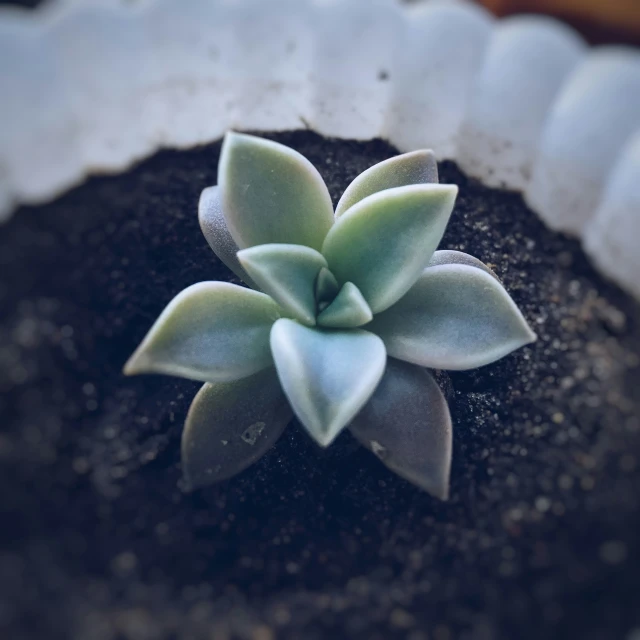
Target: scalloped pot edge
column 522, row 103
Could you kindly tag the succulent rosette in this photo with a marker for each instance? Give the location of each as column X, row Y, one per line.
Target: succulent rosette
column 346, row 313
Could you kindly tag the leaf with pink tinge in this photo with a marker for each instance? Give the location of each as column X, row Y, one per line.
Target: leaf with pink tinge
column 216, row 233
column 406, row 423
column 449, row 256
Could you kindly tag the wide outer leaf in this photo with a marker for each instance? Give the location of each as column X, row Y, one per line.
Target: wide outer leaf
column 383, row 242
column 455, row 317
column 406, row 423
column 211, row 331
column 327, row 375
column 214, row 228
column 271, row 193
column 288, row 273
column 415, row 167
column 230, row 425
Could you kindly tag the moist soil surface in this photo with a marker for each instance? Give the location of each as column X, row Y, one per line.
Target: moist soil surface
column 539, row 538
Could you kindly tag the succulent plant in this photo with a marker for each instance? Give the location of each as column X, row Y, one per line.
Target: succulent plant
column 345, row 314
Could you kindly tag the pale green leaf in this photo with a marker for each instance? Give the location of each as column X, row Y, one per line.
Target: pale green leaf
column 271, row 193
column 327, row 375
column 406, row 423
column 214, row 228
column 211, row 331
column 455, row 317
column 288, row 273
column 349, row 309
column 415, row 167
column 383, row 242
column 230, row 425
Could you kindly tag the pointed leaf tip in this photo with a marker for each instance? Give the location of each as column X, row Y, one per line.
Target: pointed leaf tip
column 327, row 286
column 288, row 273
column 455, row 317
column 348, row 310
column 383, row 242
column 407, row 424
column 416, row 167
column 211, row 331
column 327, row 375
column 230, row 425
column 272, row 194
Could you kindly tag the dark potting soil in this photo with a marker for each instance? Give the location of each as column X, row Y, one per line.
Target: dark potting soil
column 538, row 540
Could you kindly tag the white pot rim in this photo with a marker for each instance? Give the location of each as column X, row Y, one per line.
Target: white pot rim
column 521, row 103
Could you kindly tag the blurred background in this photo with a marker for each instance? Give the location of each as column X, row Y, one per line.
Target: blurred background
column 600, row 21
